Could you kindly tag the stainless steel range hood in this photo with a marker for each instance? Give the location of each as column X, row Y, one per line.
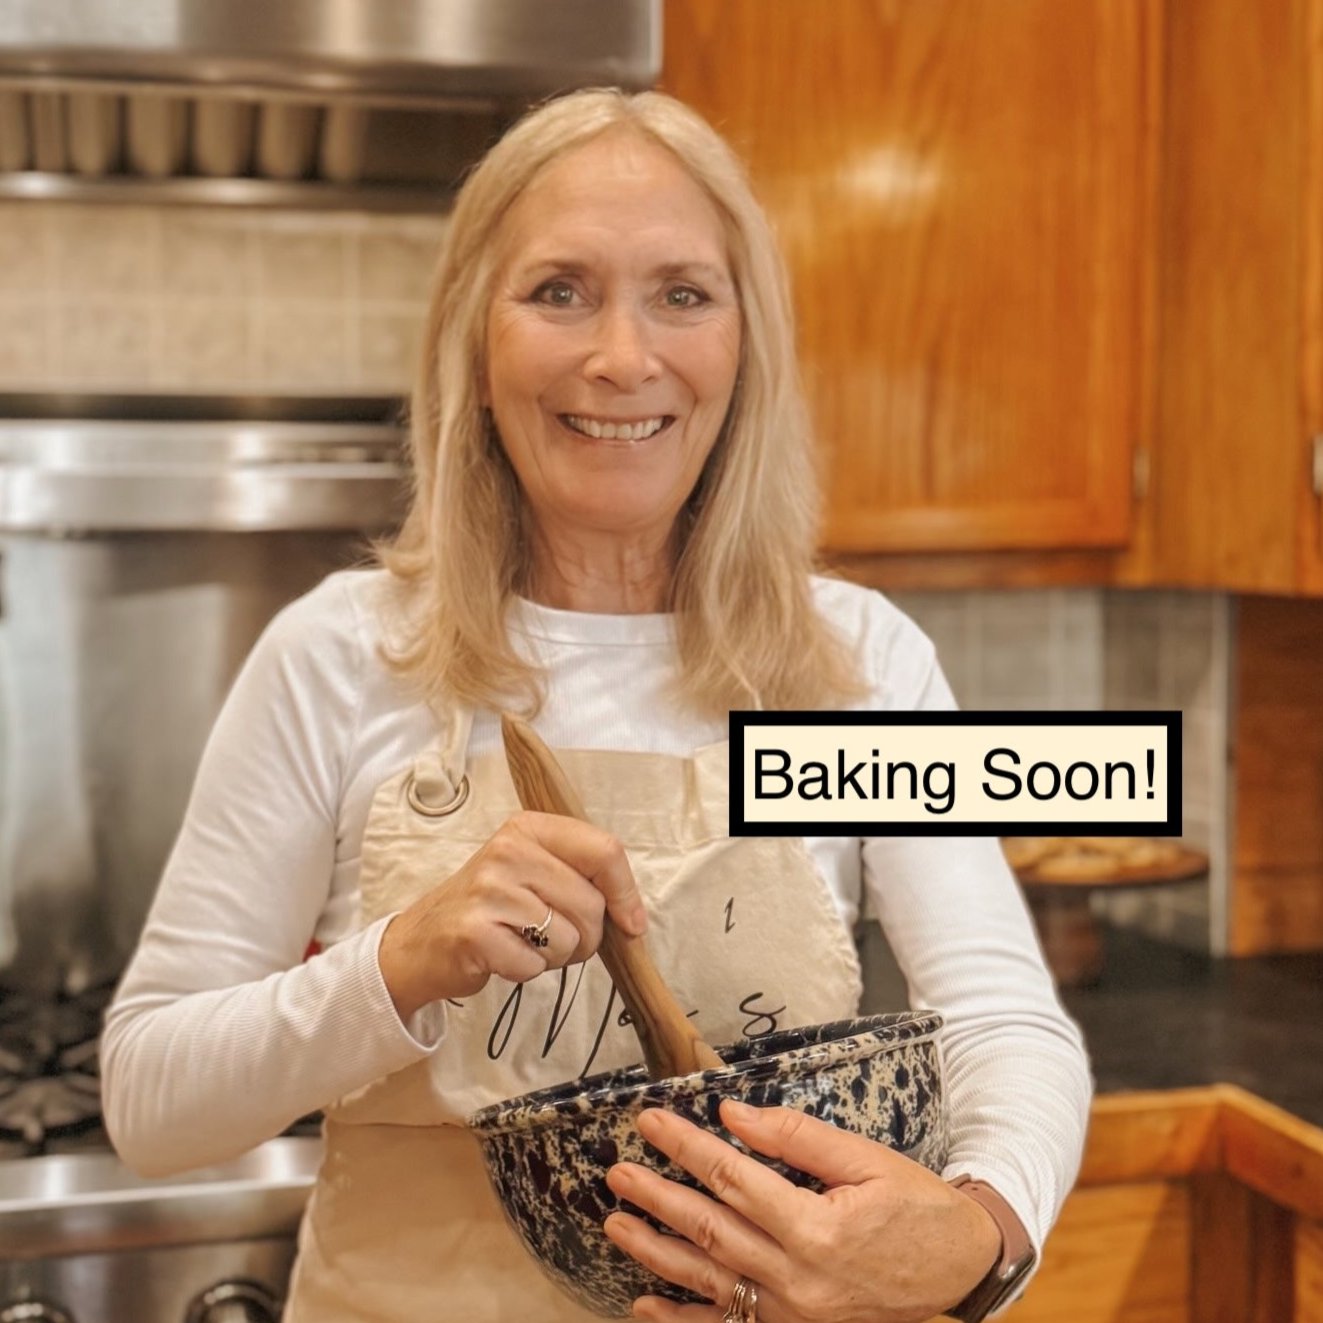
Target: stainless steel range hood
column 235, row 100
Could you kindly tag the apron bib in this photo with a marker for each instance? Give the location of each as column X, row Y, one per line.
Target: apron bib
column 402, row 1225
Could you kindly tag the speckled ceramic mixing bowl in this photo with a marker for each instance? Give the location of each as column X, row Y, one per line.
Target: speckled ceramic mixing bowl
column 548, row 1152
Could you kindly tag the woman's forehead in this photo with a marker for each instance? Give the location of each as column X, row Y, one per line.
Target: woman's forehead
column 621, row 154
column 620, row 189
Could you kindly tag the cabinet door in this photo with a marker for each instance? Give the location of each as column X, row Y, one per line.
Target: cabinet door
column 963, row 192
column 1309, row 1272
column 1119, row 1254
column 1230, row 477
column 1310, row 540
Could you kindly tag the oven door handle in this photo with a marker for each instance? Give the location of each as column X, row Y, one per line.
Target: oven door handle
column 234, row 498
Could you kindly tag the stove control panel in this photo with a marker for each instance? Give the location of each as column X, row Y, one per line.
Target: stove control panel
column 33, row 1311
column 234, row 1302
column 236, row 1281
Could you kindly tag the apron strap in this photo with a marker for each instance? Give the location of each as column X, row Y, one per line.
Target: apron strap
column 438, row 785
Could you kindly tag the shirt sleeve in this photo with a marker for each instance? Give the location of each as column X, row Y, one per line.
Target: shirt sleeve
column 1017, row 1077
column 221, row 1035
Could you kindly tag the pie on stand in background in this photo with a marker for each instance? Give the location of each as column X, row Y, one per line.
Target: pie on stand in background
column 1059, row 873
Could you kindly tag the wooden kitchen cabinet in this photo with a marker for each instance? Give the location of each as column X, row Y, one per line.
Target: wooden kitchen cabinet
column 1309, row 1272
column 1193, row 1206
column 1309, row 502
column 1233, row 501
column 1118, row 1252
column 965, row 194
column 1276, row 903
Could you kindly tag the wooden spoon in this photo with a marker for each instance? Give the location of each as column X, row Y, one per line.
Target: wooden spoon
column 671, row 1045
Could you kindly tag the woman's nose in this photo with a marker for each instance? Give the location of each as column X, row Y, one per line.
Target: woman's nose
column 622, row 351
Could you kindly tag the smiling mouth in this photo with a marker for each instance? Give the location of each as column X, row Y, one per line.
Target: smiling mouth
column 598, row 429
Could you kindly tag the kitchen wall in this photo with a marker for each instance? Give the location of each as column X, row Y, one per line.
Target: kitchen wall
column 1090, row 649
column 178, row 298
column 182, row 298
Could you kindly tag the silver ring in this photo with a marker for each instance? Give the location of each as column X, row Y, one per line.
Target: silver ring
column 743, row 1306
column 536, row 934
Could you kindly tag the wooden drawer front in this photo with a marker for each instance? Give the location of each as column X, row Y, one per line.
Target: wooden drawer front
column 1308, row 1272
column 1119, row 1254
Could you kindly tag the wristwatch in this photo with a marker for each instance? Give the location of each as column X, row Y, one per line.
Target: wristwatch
column 1013, row 1265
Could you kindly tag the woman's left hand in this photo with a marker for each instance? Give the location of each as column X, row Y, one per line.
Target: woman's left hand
column 888, row 1241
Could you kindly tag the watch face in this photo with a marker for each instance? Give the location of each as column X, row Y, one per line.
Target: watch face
column 1015, row 1273
column 994, row 1291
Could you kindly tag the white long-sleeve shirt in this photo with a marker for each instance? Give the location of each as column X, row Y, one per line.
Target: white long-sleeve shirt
column 221, row 1034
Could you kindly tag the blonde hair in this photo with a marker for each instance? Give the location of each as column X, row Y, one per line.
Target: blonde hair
column 747, row 631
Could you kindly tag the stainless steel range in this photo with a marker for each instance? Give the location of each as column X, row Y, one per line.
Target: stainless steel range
column 83, row 1241
column 144, row 544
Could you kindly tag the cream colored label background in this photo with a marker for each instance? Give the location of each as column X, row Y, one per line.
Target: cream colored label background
column 966, row 747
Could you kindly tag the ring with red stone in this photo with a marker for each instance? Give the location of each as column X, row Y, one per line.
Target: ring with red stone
column 535, row 934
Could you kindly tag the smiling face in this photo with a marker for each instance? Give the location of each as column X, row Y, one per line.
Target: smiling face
column 613, row 341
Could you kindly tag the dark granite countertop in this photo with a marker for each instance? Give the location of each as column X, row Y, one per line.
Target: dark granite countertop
column 1164, row 1018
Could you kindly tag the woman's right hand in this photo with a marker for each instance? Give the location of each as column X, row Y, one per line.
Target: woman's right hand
column 451, row 940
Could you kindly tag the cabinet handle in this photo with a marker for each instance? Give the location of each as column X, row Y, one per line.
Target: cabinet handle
column 1318, row 465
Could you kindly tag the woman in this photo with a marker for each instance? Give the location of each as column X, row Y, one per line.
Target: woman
column 612, row 529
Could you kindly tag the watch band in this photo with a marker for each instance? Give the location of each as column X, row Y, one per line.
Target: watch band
column 1013, row 1264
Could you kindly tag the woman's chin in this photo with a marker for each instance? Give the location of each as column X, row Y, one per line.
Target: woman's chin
column 621, row 514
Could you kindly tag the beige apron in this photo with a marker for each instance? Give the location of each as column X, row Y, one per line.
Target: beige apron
column 402, row 1225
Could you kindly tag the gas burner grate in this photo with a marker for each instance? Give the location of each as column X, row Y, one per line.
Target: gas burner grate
column 32, row 1110
column 50, row 1086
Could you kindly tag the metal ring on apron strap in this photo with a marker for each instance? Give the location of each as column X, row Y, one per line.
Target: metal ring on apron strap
column 420, row 805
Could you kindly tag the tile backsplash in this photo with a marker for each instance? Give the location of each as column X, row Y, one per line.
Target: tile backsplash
column 1079, row 649
column 180, row 298
column 1017, row 650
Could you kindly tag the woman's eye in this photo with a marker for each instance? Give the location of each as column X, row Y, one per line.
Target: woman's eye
column 684, row 296
column 558, row 293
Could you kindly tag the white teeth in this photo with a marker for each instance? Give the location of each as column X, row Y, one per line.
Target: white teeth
column 639, row 431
